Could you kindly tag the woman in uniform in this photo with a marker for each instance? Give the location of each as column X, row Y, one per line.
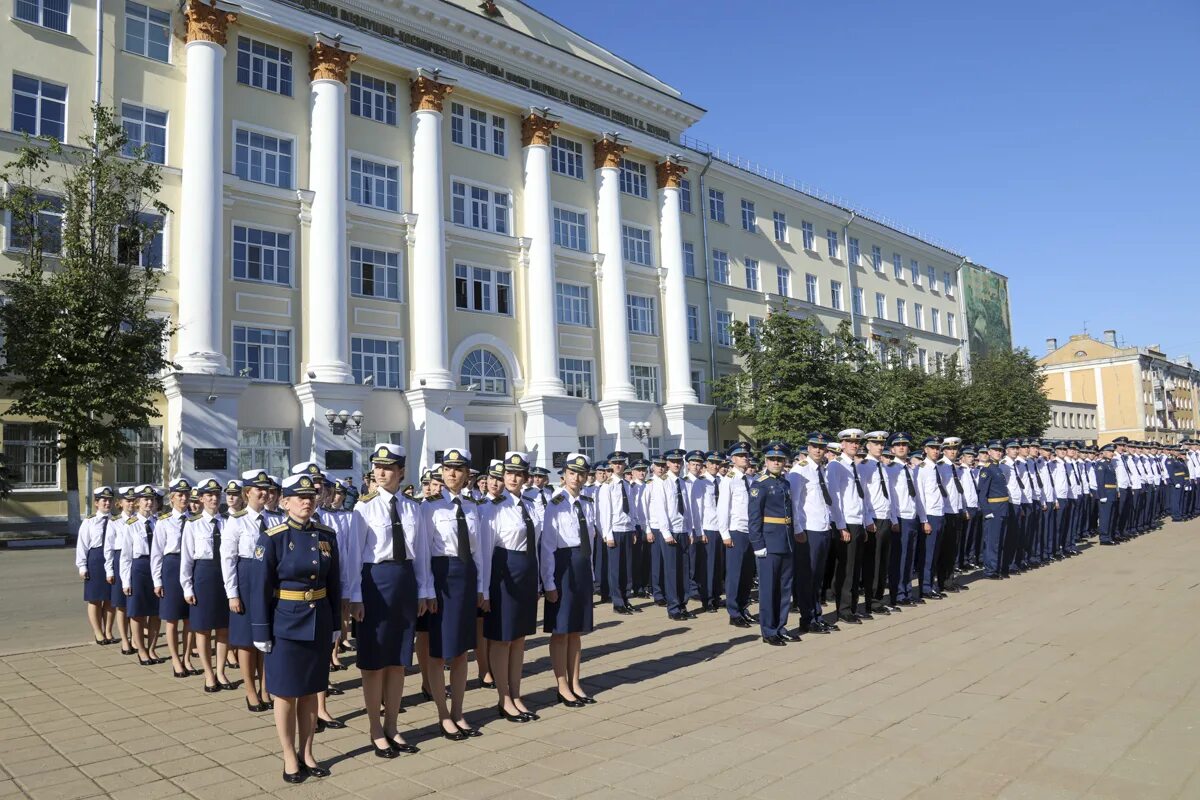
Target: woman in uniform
column 295, row 621
column 514, row 525
column 204, row 586
column 493, row 487
column 391, row 587
column 568, row 536
column 89, row 560
column 164, row 569
column 113, row 539
column 136, row 580
column 456, row 561
column 241, row 575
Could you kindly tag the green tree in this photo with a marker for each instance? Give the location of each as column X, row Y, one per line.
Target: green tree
column 81, row 348
column 1005, row 397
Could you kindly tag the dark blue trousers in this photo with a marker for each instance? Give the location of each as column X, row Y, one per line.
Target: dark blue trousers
column 774, row 592
column 993, row 541
column 708, row 565
column 656, row 568
column 674, row 576
column 620, row 567
column 819, row 544
column 739, row 573
column 929, row 564
column 1108, row 508
column 600, row 570
column 901, row 559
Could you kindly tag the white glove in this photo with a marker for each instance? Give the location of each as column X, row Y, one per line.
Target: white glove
column 1103, row 499
column 761, row 553
column 990, row 516
column 263, row 646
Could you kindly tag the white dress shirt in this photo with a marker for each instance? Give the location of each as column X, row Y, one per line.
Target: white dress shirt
column 908, row 500
column 135, row 544
column 239, row 537
column 733, row 504
column 369, row 541
column 1013, row 480
column 1049, row 495
column 970, row 493
column 954, row 499
column 703, row 506
column 197, row 545
column 113, row 538
column 809, row 506
column 92, row 533
column 932, row 499
column 616, row 510
column 663, row 506
column 440, row 521
column 873, row 475
column 855, row 509
column 560, row 528
column 168, row 540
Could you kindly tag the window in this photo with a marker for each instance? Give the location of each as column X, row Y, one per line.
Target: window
column 725, row 328
column 881, row 305
column 720, row 266
column 876, row 258
column 640, row 314
column 39, row 107
column 645, row 382
column 922, row 359
column 266, row 352
column 716, row 205
column 752, row 274
column 261, row 255
column 143, row 461
column 918, row 316
column 369, row 440
column 831, row 242
column 780, row 221
column 479, row 207
column 266, row 449
column 654, row 446
column 881, row 352
column 262, row 158
column 483, row 289
column 811, row 292
column 372, row 98
column 264, row 66
column 897, row 266
column 635, row 245
column 30, row 455
column 147, row 32
column 142, row 245
column 570, row 229
column 573, row 304
column 48, row 226
column 783, row 281
column 377, row 357
column 693, row 323
column 915, row 269
column 901, row 312
column 587, row 447
column 939, row 361
column 144, row 128
column 749, row 217
column 374, row 185
column 482, row 368
column 375, row 273
column 835, row 295
column 857, row 300
column 633, row 178
column 754, row 328
column 698, row 384
column 689, row 260
column 576, row 375
column 950, row 323
column 566, row 157
column 685, row 195
column 935, row 320
column 855, row 253
column 806, row 233
column 947, row 284
column 476, row 129
column 931, row 277
column 47, row 13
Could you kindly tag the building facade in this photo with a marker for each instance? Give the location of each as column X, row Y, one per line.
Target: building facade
column 460, row 223
column 1072, row 421
column 1138, row 392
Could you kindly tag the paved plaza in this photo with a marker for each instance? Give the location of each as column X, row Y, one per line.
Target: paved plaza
column 1079, row 680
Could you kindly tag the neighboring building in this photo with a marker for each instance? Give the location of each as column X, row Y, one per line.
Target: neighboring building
column 1072, row 421
column 467, row 222
column 986, row 311
column 1138, row 391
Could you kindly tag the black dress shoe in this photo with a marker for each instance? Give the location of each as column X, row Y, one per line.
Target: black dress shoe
column 740, row 622
column 316, row 770
column 182, row 674
column 471, row 732
column 994, row 577
column 864, row 615
column 192, row 671
column 297, row 776
column 953, row 589
column 130, row 652
column 457, row 736
column 510, row 717
column 788, row 636
column 486, row 684
column 962, row 588
column 401, row 747
column 332, row 724
column 849, row 618
column 881, row 609
column 634, row 609
column 255, row 708
column 213, row 688
column 774, row 641
column 621, row 610
column 146, row 662
column 570, row 703
column 587, row 700
column 681, row 617
column 226, row 685
column 746, row 615
column 334, row 691
column 660, row 602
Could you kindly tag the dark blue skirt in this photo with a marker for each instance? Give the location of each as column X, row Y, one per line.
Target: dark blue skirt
column 389, row 623
column 240, row 632
column 452, row 628
column 96, row 588
column 142, row 602
column 117, row 589
column 573, row 577
column 172, row 607
column 211, row 611
column 513, row 593
column 295, row 668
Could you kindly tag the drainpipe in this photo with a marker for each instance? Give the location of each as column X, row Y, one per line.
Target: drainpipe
column 850, row 272
column 713, row 426
column 90, row 478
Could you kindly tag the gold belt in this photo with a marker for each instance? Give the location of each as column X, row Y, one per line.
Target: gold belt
column 307, row 595
column 777, row 520
column 1110, row 486
column 997, row 499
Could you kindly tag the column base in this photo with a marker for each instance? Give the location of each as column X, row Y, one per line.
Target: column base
column 330, row 372
column 551, row 426
column 202, row 414
column 688, row 424
column 438, row 422
column 203, row 363
column 616, row 415
column 433, row 379
column 319, row 441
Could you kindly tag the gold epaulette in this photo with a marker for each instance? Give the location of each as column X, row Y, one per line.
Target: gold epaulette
column 131, row 520
column 236, row 514
column 558, row 498
column 277, row 529
column 164, row 515
column 371, row 495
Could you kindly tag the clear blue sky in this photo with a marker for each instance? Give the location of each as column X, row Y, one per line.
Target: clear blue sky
column 1055, row 142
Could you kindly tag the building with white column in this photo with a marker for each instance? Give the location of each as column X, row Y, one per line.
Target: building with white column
column 465, row 222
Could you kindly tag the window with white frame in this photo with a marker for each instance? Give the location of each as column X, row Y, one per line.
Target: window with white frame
column 881, row 305
column 46, row 13
column 576, row 375
column 950, row 323
column 754, row 328
column 831, row 242
column 749, row 217
column 807, row 235
column 854, row 251
column 914, row 270
column 376, row 357
column 876, row 258
column 693, row 323
column 835, row 295
column 141, row 245
column 144, row 128
column 264, row 66
column 783, row 281
column 477, row 129
column 635, row 245
column 685, row 195
column 653, row 446
column 262, row 255
column 812, row 292
column 724, row 330
column 633, row 178
column 939, row 361
column 483, row 289
column 39, row 107
column 752, row 274
column 375, row 273
column 482, row 368
column 698, row 384
column 857, row 300
column 901, row 311
column 641, row 314
column 30, row 455
column 923, row 359
column 644, row 378
column 573, row 304
column 935, row 320
column 265, row 352
column 897, row 266
column 570, row 229
column 781, row 230
column 262, row 158
column 147, row 32
column 47, row 225
column 142, row 462
column 587, row 447
column 720, row 266
column 265, row 448
column 931, row 276
column 566, row 157
column 373, row 184
column 918, row 316
column 947, row 284
column 716, row 205
column 689, row 260
column 372, row 98
column 480, row 207
column 881, row 352
column 369, row 440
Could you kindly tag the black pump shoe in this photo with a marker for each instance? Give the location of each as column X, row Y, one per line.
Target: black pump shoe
column 316, row 770
column 401, row 747
column 295, row 777
column 570, row 703
column 518, row 717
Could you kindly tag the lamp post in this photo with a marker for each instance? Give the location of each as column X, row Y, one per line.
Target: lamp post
column 341, row 422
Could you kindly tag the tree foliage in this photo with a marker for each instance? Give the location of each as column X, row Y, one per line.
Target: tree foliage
column 1005, row 396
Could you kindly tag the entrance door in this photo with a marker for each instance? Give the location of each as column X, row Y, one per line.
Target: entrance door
column 485, row 447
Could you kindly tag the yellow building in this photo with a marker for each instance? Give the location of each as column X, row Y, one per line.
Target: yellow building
column 1138, row 392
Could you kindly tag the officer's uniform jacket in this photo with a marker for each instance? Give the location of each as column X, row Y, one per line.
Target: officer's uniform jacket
column 770, row 520
column 296, row 557
column 994, row 485
column 560, row 528
column 1106, row 479
column 664, row 509
column 137, row 537
column 733, row 504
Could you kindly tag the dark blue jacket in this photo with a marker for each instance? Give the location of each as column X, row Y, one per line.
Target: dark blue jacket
column 770, row 514
column 993, row 491
column 297, row 557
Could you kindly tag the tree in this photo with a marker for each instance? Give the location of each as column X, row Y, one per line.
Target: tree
column 1005, row 396
column 81, row 348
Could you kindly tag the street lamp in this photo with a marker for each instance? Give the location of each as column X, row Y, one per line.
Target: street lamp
column 640, row 430
column 341, row 422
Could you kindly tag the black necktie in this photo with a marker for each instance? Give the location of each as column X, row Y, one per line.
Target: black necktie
column 957, row 482
column 103, row 531
column 912, row 489
column 585, row 537
column 679, row 496
column 530, row 539
column 216, row 539
column 149, row 535
column 1037, row 475
column 857, row 482
column 882, row 479
column 1067, row 470
column 542, row 497
column 464, row 533
column 1017, row 471
column 399, row 550
column 824, row 486
column 624, row 497
column 262, row 523
column 716, row 482
column 941, row 486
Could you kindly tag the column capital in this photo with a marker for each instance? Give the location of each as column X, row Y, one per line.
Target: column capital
column 669, row 173
column 608, row 153
column 208, row 22
column 329, row 59
column 536, row 130
column 426, row 94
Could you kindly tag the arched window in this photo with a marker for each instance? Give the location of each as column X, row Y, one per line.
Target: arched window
column 483, row 368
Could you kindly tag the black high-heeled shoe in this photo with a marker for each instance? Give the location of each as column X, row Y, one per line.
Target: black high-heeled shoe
column 570, row 703
column 332, row 724
column 500, row 711
column 213, row 688
column 471, row 732
column 101, row 642
column 182, row 674
column 316, row 770
column 531, row 715
column 401, row 747
column 487, row 684
column 295, row 777
column 128, row 652
column 255, row 708
column 384, row 752
column 194, row 671
column 146, row 662
column 457, row 736
column 585, row 699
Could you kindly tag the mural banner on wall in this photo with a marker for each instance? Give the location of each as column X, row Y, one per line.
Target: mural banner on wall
column 985, row 295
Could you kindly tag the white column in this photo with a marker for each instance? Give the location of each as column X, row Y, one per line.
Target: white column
column 678, row 353
column 614, row 334
column 202, row 252
column 427, row 310
column 543, row 329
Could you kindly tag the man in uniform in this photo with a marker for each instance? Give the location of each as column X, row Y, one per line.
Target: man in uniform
column 955, row 514
column 734, row 527
column 933, row 500
column 874, row 476
column 772, row 538
column 994, row 503
column 1106, row 483
column 670, row 525
column 615, row 518
column 709, row 552
column 855, row 519
column 911, row 523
